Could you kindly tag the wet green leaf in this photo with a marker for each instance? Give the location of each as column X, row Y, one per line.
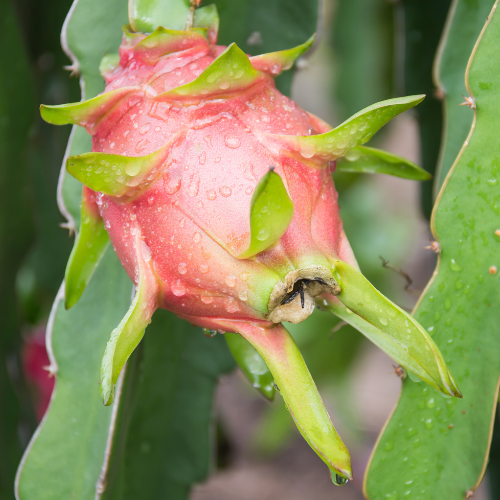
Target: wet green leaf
column 439, row 447
column 405, row 337
column 355, row 131
column 231, row 72
column 375, row 161
column 251, row 364
column 253, row 25
column 147, row 15
column 270, row 214
column 465, row 22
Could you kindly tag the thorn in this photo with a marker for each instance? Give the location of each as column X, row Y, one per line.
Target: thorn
column 337, row 327
column 439, row 94
column 469, row 494
column 409, row 281
column 69, row 226
column 271, row 168
column 302, row 63
column 51, row 369
column 73, row 68
column 399, row 371
column 434, row 246
column 469, row 101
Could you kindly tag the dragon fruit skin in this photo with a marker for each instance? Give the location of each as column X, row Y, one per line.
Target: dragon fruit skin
column 194, row 218
column 189, row 138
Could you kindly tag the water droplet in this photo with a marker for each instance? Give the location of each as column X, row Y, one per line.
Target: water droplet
column 211, row 194
column 353, row 155
column 383, row 320
column 224, row 85
column 249, row 190
column 132, row 168
column 182, row 267
column 338, row 480
column 204, row 268
column 244, row 276
column 194, row 186
column 133, row 216
column 196, row 237
column 243, row 295
column 207, row 299
column 178, row 288
column 429, row 423
column 231, row 305
column 151, row 200
column 231, row 141
column 230, row 280
column 209, row 333
column 454, row 266
column 203, row 158
column 217, row 159
column 431, row 403
column 145, row 128
column 263, row 233
column 225, row 191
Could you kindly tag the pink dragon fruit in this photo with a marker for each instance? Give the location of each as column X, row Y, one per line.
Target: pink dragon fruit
column 216, row 192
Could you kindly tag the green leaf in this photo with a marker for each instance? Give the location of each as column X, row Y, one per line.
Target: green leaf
column 251, row 363
column 147, row 15
column 296, row 386
column 463, row 26
column 355, row 131
column 375, row 161
column 108, row 64
column 276, row 62
column 163, row 42
column 253, row 26
column 270, row 214
column 163, row 437
column 88, row 112
column 230, row 73
column 116, row 175
column 75, row 429
column 90, row 245
column 361, row 298
column 445, row 442
column 126, row 336
column 423, row 22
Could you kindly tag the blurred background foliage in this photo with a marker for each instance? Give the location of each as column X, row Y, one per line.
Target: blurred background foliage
column 369, row 50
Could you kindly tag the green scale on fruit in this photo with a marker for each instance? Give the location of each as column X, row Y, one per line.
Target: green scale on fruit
column 216, row 192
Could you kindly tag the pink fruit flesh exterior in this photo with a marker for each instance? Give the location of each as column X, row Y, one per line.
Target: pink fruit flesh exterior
column 194, row 215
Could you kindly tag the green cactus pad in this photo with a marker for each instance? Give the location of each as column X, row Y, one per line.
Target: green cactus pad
column 361, row 298
column 230, row 73
column 276, row 62
column 270, row 214
column 375, row 161
column 163, row 42
column 251, row 364
column 126, row 336
column 116, row 175
column 353, row 132
column 89, row 247
column 86, row 112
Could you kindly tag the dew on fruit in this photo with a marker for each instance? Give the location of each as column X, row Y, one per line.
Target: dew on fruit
column 204, row 268
column 231, row 141
column 231, row 305
column 211, row 194
column 243, row 295
column 225, row 191
column 196, row 237
column 182, row 268
column 244, row 276
column 178, row 288
column 353, row 155
column 145, row 128
column 194, row 186
column 207, row 299
column 249, row 190
column 217, row 159
column 224, row 85
column 209, row 333
column 230, row 280
column 202, row 158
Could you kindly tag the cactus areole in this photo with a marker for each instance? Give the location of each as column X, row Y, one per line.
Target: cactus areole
column 216, row 192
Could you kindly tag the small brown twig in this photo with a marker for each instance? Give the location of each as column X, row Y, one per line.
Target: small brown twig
column 409, row 281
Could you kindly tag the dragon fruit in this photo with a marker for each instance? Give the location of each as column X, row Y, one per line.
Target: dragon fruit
column 216, row 192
